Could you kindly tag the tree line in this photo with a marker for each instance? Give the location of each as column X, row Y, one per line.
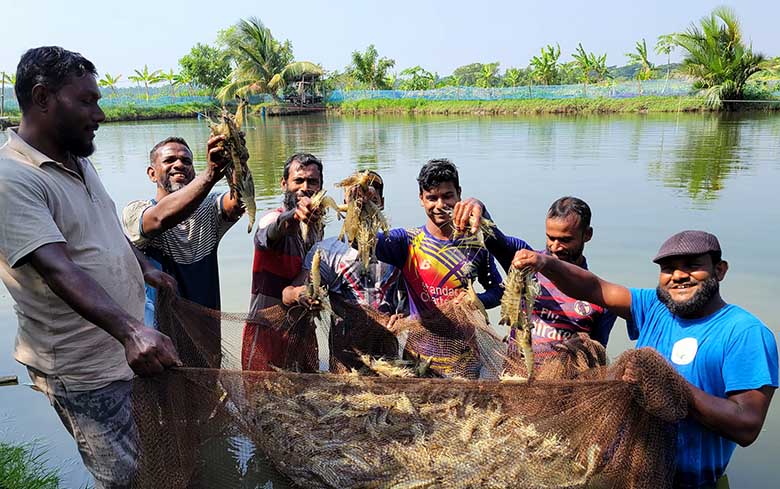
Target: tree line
column 247, row 59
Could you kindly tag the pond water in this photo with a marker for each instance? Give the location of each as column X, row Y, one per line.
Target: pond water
column 644, row 176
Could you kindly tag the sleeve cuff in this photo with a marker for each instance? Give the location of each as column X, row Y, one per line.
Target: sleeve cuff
column 16, row 257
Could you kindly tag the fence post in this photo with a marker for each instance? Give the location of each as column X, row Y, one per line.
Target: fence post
column 2, row 93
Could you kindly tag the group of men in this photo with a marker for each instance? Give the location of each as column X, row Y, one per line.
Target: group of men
column 77, row 274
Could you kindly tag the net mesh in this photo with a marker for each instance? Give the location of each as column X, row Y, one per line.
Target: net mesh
column 371, row 422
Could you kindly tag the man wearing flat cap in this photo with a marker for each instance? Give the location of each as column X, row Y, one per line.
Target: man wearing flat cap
column 728, row 356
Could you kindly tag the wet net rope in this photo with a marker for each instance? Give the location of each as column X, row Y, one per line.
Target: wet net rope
column 383, row 415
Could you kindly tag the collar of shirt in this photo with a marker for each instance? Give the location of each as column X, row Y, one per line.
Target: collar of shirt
column 33, row 156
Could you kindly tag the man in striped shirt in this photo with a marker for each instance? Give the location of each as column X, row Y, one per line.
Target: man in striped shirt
column 179, row 230
column 279, row 253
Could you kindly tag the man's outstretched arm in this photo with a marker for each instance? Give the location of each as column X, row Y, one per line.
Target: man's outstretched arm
column 147, row 351
column 577, row 282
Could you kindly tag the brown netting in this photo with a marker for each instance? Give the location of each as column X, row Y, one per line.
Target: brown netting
column 375, row 424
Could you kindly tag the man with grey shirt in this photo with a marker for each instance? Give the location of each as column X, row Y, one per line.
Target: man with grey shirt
column 77, row 282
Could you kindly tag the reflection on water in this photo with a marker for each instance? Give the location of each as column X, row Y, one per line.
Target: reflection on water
column 644, row 176
column 709, row 154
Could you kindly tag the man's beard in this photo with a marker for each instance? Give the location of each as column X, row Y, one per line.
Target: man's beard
column 74, row 145
column 290, row 200
column 171, row 187
column 689, row 308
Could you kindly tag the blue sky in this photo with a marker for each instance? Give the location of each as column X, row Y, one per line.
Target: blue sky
column 119, row 36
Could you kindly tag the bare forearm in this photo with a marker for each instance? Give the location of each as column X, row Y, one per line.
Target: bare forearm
column 739, row 418
column 573, row 281
column 581, row 284
column 179, row 205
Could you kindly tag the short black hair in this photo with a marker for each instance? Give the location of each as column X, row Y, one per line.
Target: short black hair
column 436, row 172
column 50, row 66
column 303, row 159
column 568, row 206
column 172, row 139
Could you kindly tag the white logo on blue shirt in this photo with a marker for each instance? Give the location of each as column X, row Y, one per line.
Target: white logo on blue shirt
column 684, row 351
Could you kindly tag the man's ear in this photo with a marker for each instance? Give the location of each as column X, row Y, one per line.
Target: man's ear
column 720, row 269
column 41, row 97
column 283, row 184
column 151, row 173
column 588, row 234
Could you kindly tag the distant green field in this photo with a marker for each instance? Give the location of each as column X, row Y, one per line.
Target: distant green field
column 526, row 106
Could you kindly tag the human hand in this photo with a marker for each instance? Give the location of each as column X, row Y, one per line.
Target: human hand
column 216, row 156
column 530, row 259
column 309, row 302
column 463, row 212
column 159, row 279
column 303, row 211
column 149, row 352
column 394, row 319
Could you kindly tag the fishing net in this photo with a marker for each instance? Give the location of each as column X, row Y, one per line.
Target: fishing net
column 371, row 421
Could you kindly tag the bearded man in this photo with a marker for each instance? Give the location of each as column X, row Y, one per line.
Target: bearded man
column 279, row 253
column 728, row 356
column 76, row 282
column 180, row 229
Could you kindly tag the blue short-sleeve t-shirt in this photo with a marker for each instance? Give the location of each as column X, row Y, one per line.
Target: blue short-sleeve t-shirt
column 729, row 350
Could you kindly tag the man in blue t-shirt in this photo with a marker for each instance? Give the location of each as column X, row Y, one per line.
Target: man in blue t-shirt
column 728, row 356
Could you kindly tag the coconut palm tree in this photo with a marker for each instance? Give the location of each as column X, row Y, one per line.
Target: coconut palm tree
column 717, row 58
column 110, row 81
column 261, row 64
column 544, row 68
column 147, row 78
column 645, row 71
column 371, row 70
column 665, row 45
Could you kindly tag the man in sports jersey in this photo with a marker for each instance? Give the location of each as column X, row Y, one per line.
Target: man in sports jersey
column 279, row 253
column 180, row 229
column 556, row 316
column 437, row 268
column 728, row 356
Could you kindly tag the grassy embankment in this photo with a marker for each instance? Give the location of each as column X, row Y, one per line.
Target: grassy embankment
column 645, row 104
column 523, row 106
column 132, row 112
column 22, row 467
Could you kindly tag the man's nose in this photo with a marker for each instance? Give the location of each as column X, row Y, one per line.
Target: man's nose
column 679, row 275
column 99, row 115
column 555, row 246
